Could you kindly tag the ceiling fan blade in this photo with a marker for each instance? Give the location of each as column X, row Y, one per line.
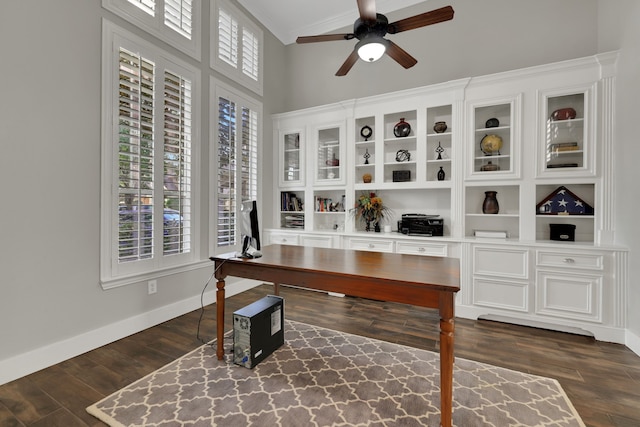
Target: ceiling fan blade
column 352, row 59
column 421, row 20
column 324, row 38
column 367, row 9
column 400, row 55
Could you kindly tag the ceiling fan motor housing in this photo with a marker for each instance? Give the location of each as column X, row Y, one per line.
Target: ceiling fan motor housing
column 362, row 29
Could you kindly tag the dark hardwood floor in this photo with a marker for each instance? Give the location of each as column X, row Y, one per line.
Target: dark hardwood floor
column 601, row 379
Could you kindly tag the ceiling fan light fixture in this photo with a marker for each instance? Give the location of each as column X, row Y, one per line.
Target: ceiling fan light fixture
column 370, row 49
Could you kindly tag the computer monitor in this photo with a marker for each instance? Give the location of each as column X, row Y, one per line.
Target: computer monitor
column 249, row 230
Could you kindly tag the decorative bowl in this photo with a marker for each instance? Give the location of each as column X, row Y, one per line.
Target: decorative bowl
column 563, row 114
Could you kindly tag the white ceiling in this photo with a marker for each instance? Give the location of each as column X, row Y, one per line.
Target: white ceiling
column 288, row 19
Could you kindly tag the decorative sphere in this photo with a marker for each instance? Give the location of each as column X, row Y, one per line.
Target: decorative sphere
column 491, row 144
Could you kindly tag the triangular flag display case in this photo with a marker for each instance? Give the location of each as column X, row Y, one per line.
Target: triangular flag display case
column 563, row 202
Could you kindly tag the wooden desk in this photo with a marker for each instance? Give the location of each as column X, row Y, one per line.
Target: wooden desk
column 410, row 279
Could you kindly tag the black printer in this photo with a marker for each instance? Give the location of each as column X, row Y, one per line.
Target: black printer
column 421, row 225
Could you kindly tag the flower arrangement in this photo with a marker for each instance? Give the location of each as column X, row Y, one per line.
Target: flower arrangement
column 370, row 208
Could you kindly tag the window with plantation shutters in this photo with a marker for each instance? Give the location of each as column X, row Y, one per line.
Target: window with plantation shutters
column 173, row 21
column 236, row 162
column 147, row 183
column 237, row 46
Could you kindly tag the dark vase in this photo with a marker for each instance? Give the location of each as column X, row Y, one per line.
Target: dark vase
column 402, row 129
column 441, row 174
column 490, row 204
column 367, row 226
column 376, row 227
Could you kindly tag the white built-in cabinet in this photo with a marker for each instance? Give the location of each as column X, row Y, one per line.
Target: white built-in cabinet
column 530, row 136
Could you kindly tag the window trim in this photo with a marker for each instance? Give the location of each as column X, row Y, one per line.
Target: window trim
column 217, row 89
column 111, row 273
column 155, row 25
column 218, row 64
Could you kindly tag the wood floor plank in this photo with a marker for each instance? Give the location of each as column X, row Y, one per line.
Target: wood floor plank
column 601, row 379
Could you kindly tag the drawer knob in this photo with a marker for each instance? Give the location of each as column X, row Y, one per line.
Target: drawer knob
column 569, row 260
column 284, row 240
column 421, row 249
column 371, row 245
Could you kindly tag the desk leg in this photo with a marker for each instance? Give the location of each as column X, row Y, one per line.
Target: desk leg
column 276, row 289
column 220, row 319
column 447, row 328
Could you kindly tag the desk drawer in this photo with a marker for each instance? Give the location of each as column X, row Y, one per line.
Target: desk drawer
column 422, row 248
column 570, row 260
column 370, row 245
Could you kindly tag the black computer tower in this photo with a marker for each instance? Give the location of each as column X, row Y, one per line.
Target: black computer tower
column 258, row 330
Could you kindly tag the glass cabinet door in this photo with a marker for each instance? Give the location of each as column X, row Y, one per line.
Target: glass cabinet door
column 565, row 147
column 494, row 136
column 330, row 155
column 292, row 159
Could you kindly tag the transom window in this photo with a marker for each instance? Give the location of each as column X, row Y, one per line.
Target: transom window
column 173, row 21
column 237, row 46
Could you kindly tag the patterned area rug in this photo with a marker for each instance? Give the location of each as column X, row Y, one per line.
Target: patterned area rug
column 321, row 377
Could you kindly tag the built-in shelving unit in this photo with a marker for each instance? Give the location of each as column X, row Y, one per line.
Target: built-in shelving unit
column 523, row 135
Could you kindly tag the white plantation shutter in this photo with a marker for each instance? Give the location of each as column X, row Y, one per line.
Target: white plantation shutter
column 178, row 16
column 249, row 171
column 135, row 157
column 177, row 164
column 226, row 172
column 149, row 6
column 237, row 164
column 227, row 38
column 250, row 54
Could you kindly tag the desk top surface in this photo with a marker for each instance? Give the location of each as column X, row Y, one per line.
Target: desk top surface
column 438, row 272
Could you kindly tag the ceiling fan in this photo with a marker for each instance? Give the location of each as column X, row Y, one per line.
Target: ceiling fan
column 370, row 29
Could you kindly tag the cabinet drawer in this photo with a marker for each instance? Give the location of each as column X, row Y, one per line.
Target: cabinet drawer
column 283, row 239
column 316, row 241
column 570, row 260
column 371, row 245
column 422, row 248
column 502, row 262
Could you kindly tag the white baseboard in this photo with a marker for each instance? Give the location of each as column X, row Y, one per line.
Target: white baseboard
column 633, row 342
column 32, row 361
column 601, row 333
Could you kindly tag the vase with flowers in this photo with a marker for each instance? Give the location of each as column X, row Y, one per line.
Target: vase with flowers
column 370, row 210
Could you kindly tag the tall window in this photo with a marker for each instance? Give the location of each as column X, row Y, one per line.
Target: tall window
column 147, row 158
column 236, row 160
column 237, row 45
column 173, row 21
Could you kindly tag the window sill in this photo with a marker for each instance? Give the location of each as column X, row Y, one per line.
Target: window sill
column 111, row 283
